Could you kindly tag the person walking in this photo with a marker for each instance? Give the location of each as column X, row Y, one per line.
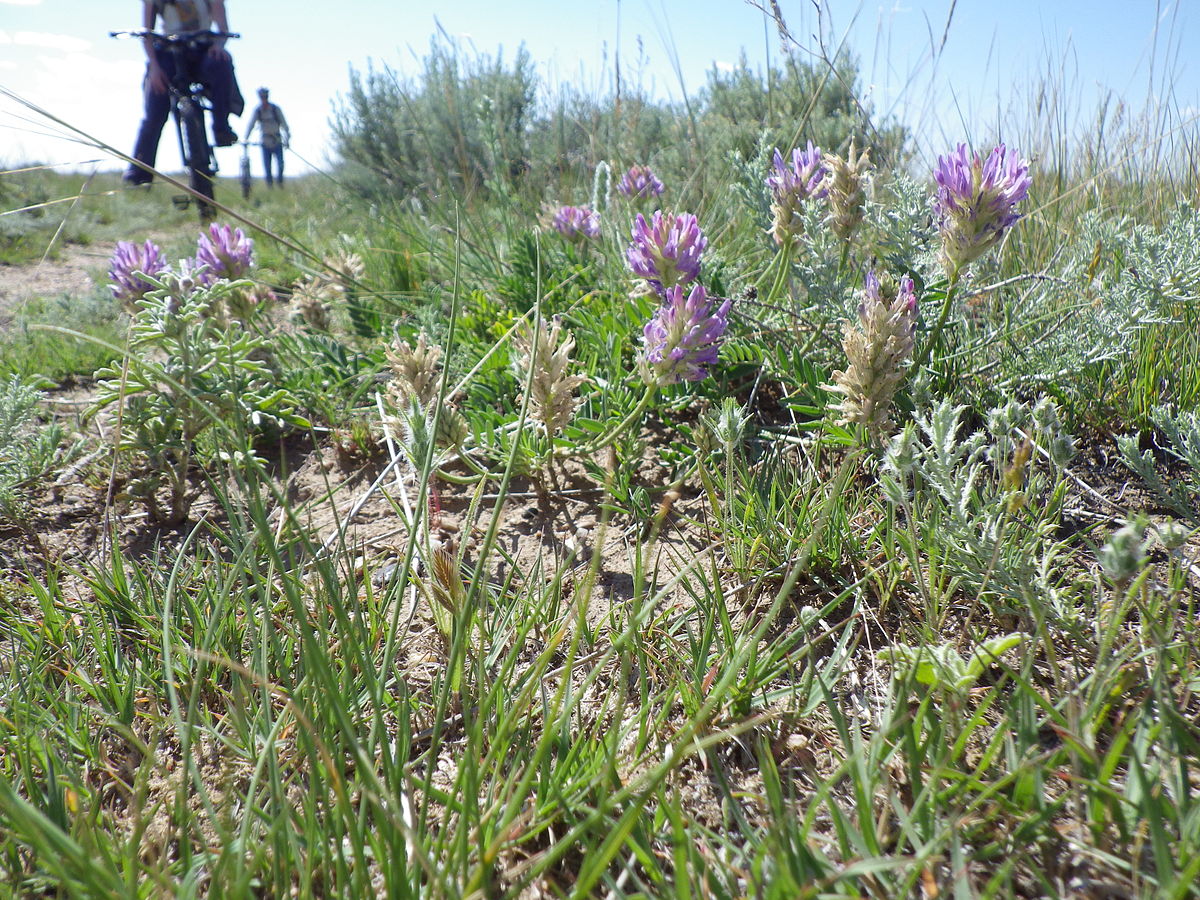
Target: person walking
column 211, row 66
column 275, row 134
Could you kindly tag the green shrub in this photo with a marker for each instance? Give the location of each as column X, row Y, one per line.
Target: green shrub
column 28, row 448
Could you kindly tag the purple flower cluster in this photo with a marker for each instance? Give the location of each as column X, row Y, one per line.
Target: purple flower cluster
column 683, row 338
column 976, row 201
column 792, row 184
column 129, row 263
column 666, row 250
column 576, row 222
column 224, row 252
column 876, row 293
column 640, row 182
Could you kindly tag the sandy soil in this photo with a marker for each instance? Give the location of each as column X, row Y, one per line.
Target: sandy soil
column 75, row 272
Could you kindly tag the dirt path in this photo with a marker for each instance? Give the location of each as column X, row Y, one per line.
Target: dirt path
column 75, row 272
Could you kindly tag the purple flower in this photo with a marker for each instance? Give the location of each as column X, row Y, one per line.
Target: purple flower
column 129, row 263
column 639, row 182
column 576, row 222
column 887, row 293
column 666, row 250
column 683, row 337
column 224, row 252
column 976, row 201
column 792, row 185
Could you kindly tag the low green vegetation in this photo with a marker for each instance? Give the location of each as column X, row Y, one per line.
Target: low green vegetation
column 613, row 500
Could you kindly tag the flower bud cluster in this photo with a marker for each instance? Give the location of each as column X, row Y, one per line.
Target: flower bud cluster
column 876, row 350
column 347, row 267
column 845, row 186
column 792, row 185
column 311, row 298
column 547, row 352
column 415, row 372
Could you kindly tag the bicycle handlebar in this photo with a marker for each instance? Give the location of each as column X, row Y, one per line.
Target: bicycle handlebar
column 181, row 37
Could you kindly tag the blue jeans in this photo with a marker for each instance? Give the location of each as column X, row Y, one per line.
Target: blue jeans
column 216, row 74
column 273, row 153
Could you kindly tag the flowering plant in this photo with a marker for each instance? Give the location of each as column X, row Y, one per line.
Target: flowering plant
column 224, row 252
column 639, row 182
column 976, row 202
column 793, row 184
column 666, row 250
column 575, row 223
column 683, row 338
column 128, row 267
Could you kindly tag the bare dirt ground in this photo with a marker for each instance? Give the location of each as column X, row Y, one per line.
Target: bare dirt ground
column 74, row 272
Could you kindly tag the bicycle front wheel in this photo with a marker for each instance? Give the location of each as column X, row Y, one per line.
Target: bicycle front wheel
column 197, row 156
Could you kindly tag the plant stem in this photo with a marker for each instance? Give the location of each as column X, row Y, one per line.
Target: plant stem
column 636, row 413
column 783, row 264
column 935, row 335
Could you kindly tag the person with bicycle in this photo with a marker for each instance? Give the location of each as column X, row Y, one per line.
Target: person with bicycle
column 209, row 64
column 273, row 128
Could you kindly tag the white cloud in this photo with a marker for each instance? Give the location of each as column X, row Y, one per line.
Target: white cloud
column 108, row 110
column 64, row 42
column 722, row 66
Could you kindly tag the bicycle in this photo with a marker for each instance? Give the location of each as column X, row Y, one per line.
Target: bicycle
column 244, row 176
column 189, row 101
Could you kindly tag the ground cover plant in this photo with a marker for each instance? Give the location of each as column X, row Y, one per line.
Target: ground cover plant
column 743, row 511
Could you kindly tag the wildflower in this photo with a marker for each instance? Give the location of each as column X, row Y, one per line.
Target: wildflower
column 845, row 190
column 224, row 252
column 876, row 351
column 792, row 185
column 640, row 182
column 552, row 398
column 347, row 268
column 129, row 264
column 683, row 337
column 575, row 223
column 414, row 371
column 666, row 250
column 976, row 202
column 311, row 298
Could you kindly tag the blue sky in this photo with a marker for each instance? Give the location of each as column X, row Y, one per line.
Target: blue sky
column 56, row 54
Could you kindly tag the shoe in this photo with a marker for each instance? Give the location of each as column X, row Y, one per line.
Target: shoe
column 134, row 176
column 226, row 137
